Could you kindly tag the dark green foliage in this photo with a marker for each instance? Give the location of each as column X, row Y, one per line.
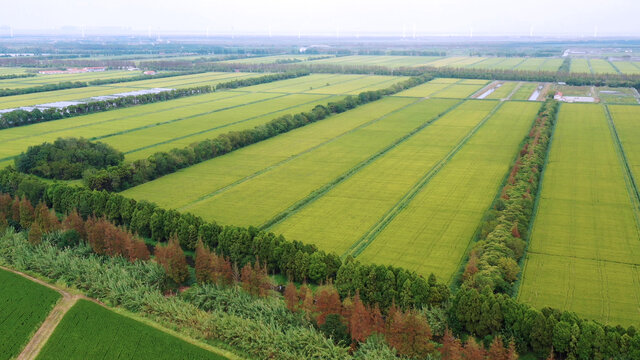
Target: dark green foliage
column 42, row 88
column 89, row 331
column 24, row 305
column 335, row 329
column 294, row 259
column 122, row 177
column 67, row 158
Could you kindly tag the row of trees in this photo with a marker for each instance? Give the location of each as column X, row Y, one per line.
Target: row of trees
column 124, row 176
column 43, row 88
column 22, row 117
column 485, row 314
column 242, row 246
column 67, row 158
column 493, row 259
column 16, row 76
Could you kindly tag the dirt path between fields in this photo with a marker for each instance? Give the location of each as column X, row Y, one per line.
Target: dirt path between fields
column 53, row 319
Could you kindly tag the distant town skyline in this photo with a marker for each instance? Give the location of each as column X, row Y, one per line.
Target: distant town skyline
column 405, row 18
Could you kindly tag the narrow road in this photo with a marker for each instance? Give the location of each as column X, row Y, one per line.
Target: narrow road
column 51, row 322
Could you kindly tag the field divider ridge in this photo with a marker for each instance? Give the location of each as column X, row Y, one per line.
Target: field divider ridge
column 293, row 157
column 361, row 244
column 229, row 124
column 182, row 118
column 316, row 194
column 629, row 179
column 515, row 89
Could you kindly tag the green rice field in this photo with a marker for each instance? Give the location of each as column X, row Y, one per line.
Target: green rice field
column 584, row 247
column 89, row 331
column 41, row 79
column 580, row 66
column 143, row 130
column 600, row 66
column 24, row 305
column 525, row 91
column 431, row 232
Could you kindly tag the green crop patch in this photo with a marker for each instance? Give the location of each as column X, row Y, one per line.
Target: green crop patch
column 371, row 192
column 600, row 66
column 580, row 66
column 585, row 218
column 24, row 305
column 625, row 119
column 525, row 91
column 89, row 331
column 432, row 232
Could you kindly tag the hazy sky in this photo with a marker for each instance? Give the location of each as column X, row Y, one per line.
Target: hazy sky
column 348, row 17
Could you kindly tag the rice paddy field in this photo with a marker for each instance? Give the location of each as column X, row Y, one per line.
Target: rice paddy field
column 212, row 78
column 143, row 130
column 626, row 67
column 273, row 59
column 41, row 79
column 584, row 247
column 525, row 91
column 580, row 66
column 24, row 305
column 89, row 331
column 626, row 120
column 600, row 66
column 12, row 70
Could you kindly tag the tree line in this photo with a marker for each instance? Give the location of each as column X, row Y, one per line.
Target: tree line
column 504, row 232
column 22, row 117
column 126, row 175
column 294, row 259
column 16, row 76
column 42, row 88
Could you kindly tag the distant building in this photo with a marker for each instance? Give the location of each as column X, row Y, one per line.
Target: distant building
column 558, row 96
column 149, row 72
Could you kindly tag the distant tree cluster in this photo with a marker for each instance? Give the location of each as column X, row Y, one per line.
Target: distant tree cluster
column 67, row 158
column 43, row 88
column 16, row 76
column 118, row 178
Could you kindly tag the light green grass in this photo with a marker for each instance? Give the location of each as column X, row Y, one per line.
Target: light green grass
column 89, row 331
column 24, row 305
column 600, row 66
column 202, row 179
column 627, row 122
column 433, row 232
column 626, row 67
column 459, row 91
column 586, row 220
column 338, row 219
column 531, row 64
column 580, row 66
column 289, row 183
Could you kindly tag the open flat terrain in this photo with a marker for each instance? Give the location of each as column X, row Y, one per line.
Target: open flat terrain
column 584, row 247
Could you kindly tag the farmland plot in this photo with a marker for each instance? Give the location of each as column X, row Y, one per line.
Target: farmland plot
column 24, row 305
column 7, row 102
column 244, row 163
column 580, row 66
column 627, row 125
column 600, row 66
column 531, row 64
column 89, row 331
column 551, row 65
column 460, row 90
column 585, row 225
column 626, row 67
column 431, row 233
column 338, row 219
column 525, row 91
column 274, row 192
column 503, row 91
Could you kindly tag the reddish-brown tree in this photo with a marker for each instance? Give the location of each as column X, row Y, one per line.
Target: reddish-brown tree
column 377, row 320
column 74, row 221
column 473, row 351
column 451, row 348
column 15, row 210
column 204, row 264
column 514, row 230
column 327, row 302
column 471, row 268
column 360, row 324
column 27, row 213
column 35, row 235
column 512, row 353
column 409, row 333
column 497, row 350
column 45, row 219
column 291, row 296
column 255, row 279
column 222, row 270
column 172, row 258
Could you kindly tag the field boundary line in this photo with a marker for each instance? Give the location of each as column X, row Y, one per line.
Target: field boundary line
column 518, row 64
column 444, row 88
column 293, row 157
column 515, row 89
column 515, row 291
column 614, row 67
column 71, row 300
column 183, row 118
column 590, row 67
column 584, row 258
column 368, row 237
column 630, row 181
column 226, row 125
column 316, row 194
